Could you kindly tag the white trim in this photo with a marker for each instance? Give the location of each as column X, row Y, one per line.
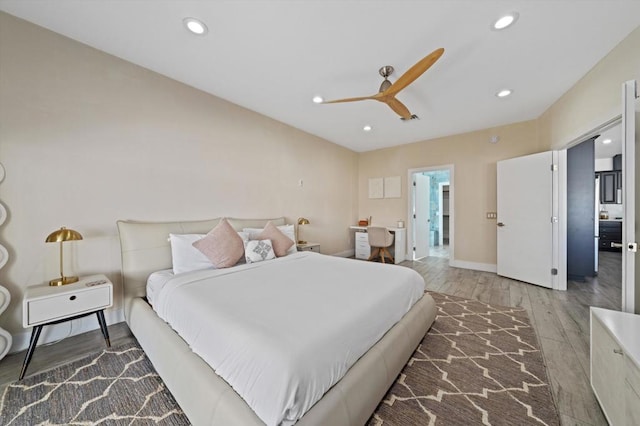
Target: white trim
column 629, row 132
column 612, row 122
column 476, row 266
column 441, row 186
column 57, row 332
column 559, row 249
column 410, row 172
column 345, row 253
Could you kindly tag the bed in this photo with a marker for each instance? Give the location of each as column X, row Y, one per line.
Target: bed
column 204, row 396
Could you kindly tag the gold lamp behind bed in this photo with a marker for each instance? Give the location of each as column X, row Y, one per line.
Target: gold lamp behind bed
column 61, row 235
column 302, row 221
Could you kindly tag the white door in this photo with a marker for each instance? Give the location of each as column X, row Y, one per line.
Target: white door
column 421, row 215
column 525, row 210
column 630, row 131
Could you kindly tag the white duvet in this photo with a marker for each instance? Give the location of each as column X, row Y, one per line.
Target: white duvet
column 282, row 332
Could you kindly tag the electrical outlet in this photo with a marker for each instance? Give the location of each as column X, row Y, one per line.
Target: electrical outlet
column 492, row 215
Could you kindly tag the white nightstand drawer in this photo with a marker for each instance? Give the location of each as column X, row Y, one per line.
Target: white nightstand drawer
column 315, row 247
column 43, row 304
column 67, row 304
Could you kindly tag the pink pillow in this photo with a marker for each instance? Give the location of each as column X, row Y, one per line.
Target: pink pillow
column 222, row 245
column 281, row 243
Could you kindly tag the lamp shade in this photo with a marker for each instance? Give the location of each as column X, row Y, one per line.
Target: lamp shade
column 63, row 234
column 60, row 236
column 302, row 221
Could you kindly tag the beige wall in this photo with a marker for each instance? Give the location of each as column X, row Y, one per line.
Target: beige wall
column 595, row 99
column 87, row 139
column 474, row 160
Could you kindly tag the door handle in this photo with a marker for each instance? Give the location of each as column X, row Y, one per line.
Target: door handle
column 500, row 224
column 616, row 245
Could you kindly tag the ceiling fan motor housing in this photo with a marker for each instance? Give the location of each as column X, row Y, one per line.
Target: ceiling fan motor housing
column 385, row 71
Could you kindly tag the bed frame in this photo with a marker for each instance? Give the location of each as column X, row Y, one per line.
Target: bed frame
column 206, row 398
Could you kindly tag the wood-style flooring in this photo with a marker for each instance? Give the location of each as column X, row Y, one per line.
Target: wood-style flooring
column 561, row 320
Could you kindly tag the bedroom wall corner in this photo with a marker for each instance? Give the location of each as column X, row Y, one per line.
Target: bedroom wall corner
column 595, row 98
column 88, row 139
column 474, row 159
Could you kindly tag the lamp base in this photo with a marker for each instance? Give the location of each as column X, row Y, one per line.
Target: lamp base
column 302, row 242
column 63, row 280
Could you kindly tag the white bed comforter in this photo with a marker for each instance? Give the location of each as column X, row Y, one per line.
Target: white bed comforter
column 283, row 332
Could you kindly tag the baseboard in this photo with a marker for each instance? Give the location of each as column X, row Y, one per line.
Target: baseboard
column 346, row 253
column 485, row 267
column 53, row 333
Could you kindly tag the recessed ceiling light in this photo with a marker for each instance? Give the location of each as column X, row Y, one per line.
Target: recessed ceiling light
column 318, row 99
column 504, row 93
column 367, row 128
column 606, row 141
column 505, row 21
column 196, row 26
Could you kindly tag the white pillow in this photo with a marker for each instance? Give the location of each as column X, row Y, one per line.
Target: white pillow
column 288, row 230
column 258, row 250
column 186, row 257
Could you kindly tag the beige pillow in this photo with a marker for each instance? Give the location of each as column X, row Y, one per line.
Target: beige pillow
column 281, row 243
column 222, row 245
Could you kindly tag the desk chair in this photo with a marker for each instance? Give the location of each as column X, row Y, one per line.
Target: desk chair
column 379, row 239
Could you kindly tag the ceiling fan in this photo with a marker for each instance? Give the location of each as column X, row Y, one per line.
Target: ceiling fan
column 388, row 90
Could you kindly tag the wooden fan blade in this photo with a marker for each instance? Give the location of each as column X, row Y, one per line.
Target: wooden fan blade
column 398, row 107
column 362, row 98
column 414, row 72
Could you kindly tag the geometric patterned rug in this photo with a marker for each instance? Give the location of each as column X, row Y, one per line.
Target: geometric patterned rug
column 117, row 386
column 479, row 364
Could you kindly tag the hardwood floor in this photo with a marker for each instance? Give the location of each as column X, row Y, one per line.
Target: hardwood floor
column 561, row 320
column 439, row 251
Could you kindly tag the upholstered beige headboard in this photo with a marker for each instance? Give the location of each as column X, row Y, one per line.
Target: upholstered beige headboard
column 145, row 248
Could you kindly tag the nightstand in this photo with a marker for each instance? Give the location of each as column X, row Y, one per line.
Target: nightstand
column 309, row 247
column 47, row 305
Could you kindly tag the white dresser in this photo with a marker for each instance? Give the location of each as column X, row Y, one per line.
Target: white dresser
column 363, row 249
column 615, row 364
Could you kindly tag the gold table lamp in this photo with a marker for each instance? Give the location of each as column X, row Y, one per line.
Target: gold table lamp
column 61, row 235
column 302, row 221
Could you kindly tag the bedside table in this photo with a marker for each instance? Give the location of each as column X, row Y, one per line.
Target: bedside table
column 309, row 247
column 47, row 305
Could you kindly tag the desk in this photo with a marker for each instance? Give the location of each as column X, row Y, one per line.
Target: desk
column 363, row 249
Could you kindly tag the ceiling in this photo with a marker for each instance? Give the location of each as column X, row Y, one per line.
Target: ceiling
column 273, row 56
column 602, row 150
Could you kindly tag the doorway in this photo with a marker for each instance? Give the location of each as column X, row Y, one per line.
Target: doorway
column 430, row 212
column 608, row 216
